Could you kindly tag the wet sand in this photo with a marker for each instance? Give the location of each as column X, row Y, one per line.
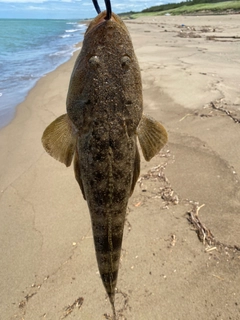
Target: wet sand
column 191, row 83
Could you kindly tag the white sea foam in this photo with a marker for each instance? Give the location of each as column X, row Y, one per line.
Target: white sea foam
column 25, row 62
column 61, row 53
column 82, row 25
column 72, row 30
column 65, row 36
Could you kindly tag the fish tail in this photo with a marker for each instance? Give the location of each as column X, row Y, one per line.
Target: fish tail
column 108, row 257
column 109, row 279
column 112, row 298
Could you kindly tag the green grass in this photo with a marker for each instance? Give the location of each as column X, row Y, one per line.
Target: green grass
column 214, row 7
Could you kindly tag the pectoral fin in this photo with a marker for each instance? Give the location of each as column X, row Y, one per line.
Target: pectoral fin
column 59, row 140
column 152, row 136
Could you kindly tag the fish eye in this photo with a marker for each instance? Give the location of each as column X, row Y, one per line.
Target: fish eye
column 94, row 61
column 125, row 61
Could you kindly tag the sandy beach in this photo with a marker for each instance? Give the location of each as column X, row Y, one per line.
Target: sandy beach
column 181, row 248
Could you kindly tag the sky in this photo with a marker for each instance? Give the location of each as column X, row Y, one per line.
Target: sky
column 68, row 9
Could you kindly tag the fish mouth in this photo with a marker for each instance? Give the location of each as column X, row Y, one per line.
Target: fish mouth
column 101, row 19
column 108, row 8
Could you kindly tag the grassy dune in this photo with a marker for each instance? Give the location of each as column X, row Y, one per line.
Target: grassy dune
column 219, row 7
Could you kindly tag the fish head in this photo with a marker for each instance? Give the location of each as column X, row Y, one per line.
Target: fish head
column 106, row 75
column 101, row 18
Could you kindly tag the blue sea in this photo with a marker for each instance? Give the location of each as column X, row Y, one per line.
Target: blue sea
column 29, row 49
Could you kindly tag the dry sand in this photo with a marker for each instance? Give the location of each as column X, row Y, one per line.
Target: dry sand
column 48, row 268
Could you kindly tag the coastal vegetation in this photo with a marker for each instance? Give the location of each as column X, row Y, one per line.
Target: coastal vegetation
column 189, row 7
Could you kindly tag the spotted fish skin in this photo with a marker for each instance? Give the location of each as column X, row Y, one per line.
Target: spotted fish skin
column 104, row 118
column 107, row 183
column 106, row 114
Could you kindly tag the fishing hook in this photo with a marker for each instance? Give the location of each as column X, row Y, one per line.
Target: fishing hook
column 108, row 8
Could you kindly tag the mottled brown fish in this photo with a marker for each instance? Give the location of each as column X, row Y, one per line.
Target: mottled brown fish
column 104, row 118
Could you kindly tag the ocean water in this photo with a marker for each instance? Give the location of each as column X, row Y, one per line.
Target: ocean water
column 29, row 49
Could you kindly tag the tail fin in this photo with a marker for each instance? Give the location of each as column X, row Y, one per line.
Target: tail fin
column 111, row 298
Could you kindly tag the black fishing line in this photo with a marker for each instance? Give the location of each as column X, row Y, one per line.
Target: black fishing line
column 95, row 3
column 109, row 9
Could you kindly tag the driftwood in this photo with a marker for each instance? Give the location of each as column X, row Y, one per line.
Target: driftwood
column 226, row 37
column 204, row 234
column 228, row 113
column 223, row 38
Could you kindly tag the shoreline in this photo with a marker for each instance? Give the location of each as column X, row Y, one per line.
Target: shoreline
column 26, row 112
column 11, row 112
column 22, row 71
column 48, row 260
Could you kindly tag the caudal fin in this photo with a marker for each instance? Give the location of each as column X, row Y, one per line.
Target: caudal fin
column 112, row 298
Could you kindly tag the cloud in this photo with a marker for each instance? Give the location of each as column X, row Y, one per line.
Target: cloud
column 39, row 1
column 35, row 8
column 87, row 4
column 67, row 9
column 23, row 1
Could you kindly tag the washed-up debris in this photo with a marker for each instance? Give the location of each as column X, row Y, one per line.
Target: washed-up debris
column 207, row 29
column 183, row 26
column 204, row 234
column 69, row 309
column 191, row 34
column 222, row 109
column 222, row 38
column 165, row 190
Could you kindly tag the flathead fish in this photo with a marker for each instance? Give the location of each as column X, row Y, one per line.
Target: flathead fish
column 100, row 129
